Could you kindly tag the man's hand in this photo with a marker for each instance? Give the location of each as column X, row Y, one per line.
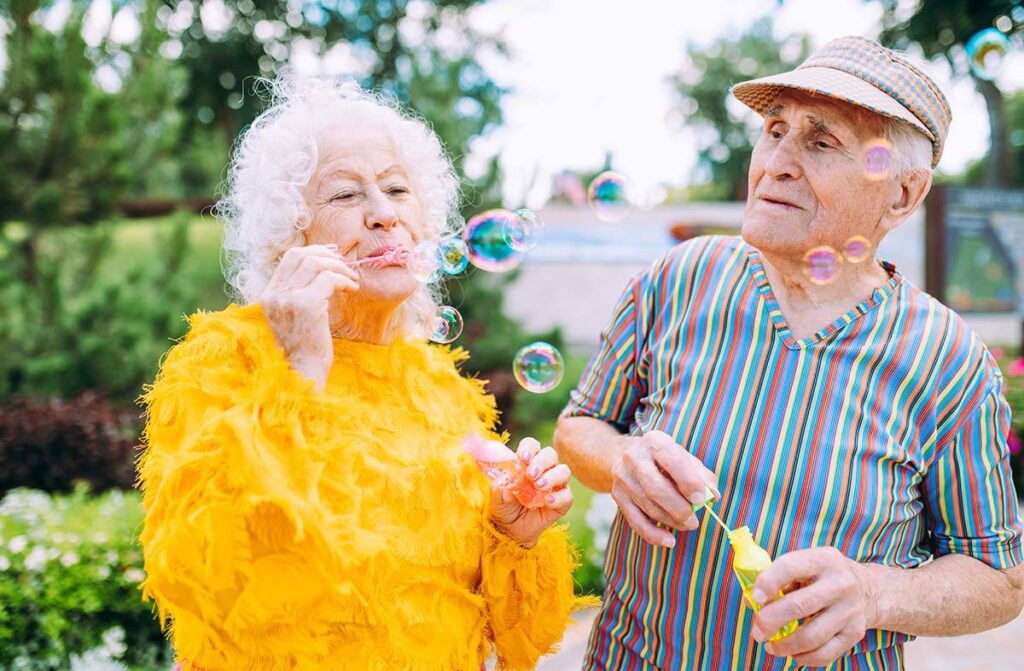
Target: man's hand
column 655, row 481
column 829, row 591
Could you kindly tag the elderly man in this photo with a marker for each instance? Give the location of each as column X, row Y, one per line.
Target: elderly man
column 818, row 397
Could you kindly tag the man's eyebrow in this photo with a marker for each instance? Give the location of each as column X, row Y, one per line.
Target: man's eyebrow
column 773, row 111
column 819, row 124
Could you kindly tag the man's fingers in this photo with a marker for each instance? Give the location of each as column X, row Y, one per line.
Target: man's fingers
column 640, row 523
column 797, row 566
column 812, row 634
column 659, row 489
column 648, row 506
column 795, row 605
column 686, row 471
column 830, row 651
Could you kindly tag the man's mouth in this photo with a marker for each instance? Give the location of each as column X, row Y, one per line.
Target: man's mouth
column 779, row 202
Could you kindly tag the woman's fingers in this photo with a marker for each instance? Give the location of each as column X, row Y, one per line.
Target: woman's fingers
column 327, row 283
column 554, row 477
column 294, row 256
column 544, row 460
column 314, row 264
column 560, row 501
column 528, row 449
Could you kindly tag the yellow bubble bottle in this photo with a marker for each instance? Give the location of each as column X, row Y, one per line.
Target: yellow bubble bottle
column 749, row 559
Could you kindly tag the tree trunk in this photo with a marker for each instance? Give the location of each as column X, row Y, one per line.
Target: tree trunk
column 998, row 169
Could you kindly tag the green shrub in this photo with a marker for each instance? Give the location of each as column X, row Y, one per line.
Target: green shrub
column 70, row 569
column 52, row 444
column 98, row 312
column 1012, row 365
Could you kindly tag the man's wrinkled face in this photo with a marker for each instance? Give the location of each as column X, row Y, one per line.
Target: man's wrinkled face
column 812, row 181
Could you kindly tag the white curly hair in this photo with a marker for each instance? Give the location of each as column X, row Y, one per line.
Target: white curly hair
column 262, row 205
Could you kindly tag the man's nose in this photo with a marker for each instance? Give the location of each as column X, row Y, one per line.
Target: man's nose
column 380, row 211
column 784, row 160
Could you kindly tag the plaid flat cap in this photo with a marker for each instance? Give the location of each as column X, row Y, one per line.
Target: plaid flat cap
column 862, row 72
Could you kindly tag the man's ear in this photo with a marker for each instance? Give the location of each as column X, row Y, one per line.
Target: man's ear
column 912, row 189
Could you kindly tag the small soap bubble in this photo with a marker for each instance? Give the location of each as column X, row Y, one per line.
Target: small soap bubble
column 985, row 52
column 424, row 263
column 485, row 239
column 523, row 231
column 454, row 255
column 609, row 196
column 877, row 160
column 538, row 367
column 821, row 264
column 447, row 325
column 857, row 249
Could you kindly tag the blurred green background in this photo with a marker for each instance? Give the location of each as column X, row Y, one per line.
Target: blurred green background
column 112, row 152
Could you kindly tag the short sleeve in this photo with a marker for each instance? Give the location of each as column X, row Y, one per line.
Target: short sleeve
column 610, row 388
column 969, row 499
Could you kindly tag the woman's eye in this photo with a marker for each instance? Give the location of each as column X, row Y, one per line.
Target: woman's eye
column 398, row 190
column 348, row 195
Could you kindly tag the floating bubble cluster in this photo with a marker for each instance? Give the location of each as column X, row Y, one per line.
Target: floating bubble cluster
column 423, row 262
column 985, row 52
column 821, row 264
column 538, row 367
column 857, row 249
column 523, row 230
column 453, row 254
column 609, row 196
column 878, row 160
column 447, row 325
column 485, row 239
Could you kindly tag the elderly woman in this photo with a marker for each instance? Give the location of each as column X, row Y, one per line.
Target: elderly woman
column 308, row 502
column 849, row 419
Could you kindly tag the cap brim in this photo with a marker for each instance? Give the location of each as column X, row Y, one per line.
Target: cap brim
column 760, row 94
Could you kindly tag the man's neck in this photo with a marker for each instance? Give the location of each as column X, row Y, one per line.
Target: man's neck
column 809, row 307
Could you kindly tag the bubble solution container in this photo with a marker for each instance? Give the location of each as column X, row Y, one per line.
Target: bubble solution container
column 749, row 559
column 505, row 469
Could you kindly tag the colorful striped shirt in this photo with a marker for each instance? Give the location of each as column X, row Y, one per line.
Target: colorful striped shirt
column 883, row 435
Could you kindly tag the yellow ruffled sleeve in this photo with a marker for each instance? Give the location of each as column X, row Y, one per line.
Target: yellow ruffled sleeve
column 529, row 594
column 235, row 545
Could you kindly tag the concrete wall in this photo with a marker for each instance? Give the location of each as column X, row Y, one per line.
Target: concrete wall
column 573, row 278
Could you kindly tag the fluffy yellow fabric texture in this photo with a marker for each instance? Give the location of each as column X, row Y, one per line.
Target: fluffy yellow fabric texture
column 291, row 529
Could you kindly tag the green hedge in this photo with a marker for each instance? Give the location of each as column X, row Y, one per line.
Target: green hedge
column 70, row 569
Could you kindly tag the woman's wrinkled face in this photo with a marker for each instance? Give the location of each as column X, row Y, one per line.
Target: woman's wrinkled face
column 363, row 200
column 808, row 180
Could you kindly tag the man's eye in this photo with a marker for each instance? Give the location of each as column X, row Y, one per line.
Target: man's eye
column 821, row 144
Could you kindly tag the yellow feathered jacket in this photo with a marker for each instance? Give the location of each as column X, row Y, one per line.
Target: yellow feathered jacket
column 287, row 528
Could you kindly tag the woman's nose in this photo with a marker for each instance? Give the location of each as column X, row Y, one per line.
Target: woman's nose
column 380, row 211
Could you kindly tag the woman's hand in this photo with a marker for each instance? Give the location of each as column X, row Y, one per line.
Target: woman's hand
column 522, row 524
column 297, row 302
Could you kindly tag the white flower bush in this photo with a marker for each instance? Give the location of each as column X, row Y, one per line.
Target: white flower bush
column 70, row 568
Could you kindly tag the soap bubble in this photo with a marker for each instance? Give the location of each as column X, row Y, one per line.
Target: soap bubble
column 523, row 231
column 857, row 249
column 538, row 367
column 423, row 262
column 985, row 52
column 877, row 160
column 454, row 255
column 485, row 238
column 447, row 325
column 609, row 195
column 821, row 264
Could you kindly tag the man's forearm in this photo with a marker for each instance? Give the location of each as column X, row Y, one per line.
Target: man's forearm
column 951, row 596
column 590, row 447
